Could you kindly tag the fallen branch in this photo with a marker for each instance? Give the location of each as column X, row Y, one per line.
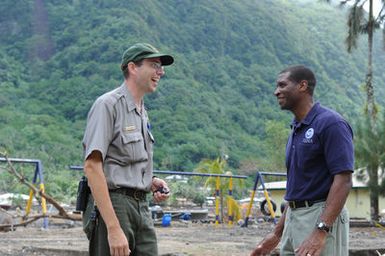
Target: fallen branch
column 62, row 212
column 32, row 218
column 24, row 223
column 5, row 212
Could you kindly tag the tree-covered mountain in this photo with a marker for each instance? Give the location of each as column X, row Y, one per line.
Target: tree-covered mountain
column 56, row 57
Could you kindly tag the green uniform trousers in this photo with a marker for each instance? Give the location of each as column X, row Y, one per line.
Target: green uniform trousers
column 300, row 222
column 135, row 219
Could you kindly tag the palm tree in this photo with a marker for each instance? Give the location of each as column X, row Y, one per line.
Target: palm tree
column 218, row 166
column 361, row 22
column 370, row 150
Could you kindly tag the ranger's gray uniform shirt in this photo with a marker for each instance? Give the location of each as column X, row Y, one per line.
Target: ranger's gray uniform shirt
column 120, row 133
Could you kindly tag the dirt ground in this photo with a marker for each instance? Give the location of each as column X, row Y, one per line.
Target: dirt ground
column 179, row 239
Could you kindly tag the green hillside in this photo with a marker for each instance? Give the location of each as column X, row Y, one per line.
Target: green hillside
column 56, row 57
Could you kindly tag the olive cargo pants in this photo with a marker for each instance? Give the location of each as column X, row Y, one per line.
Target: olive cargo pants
column 135, row 219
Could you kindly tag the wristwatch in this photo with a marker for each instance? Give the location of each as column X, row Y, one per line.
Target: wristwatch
column 322, row 226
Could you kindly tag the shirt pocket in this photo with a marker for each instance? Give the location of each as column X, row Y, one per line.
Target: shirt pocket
column 307, row 155
column 133, row 149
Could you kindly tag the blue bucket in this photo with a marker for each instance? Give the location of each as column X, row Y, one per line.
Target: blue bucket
column 185, row 216
column 166, row 220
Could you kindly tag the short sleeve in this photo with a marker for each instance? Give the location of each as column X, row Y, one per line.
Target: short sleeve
column 99, row 128
column 338, row 147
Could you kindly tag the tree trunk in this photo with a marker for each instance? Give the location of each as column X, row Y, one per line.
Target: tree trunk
column 374, row 188
column 371, row 112
column 371, row 109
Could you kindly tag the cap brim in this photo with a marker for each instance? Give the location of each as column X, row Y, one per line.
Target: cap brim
column 164, row 58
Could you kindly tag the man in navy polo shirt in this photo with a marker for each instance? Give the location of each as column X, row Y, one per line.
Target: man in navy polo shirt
column 319, row 161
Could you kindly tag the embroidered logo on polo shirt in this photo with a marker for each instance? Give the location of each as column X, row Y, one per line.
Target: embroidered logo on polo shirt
column 308, row 136
column 309, row 133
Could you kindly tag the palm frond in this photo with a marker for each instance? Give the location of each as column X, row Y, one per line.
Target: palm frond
column 355, row 24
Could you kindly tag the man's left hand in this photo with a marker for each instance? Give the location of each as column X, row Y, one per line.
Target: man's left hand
column 160, row 189
column 312, row 245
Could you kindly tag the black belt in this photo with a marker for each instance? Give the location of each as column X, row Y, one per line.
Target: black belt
column 306, row 203
column 139, row 195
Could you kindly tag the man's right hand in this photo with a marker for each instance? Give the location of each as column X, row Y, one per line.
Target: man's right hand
column 118, row 242
column 266, row 245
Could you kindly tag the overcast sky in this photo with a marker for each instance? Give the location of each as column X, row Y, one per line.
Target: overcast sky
column 377, row 6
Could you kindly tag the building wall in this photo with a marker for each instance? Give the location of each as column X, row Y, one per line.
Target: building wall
column 358, row 202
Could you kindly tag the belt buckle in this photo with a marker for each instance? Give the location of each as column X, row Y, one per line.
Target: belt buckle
column 137, row 195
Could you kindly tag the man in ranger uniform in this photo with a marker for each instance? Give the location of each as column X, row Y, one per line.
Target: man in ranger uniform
column 118, row 148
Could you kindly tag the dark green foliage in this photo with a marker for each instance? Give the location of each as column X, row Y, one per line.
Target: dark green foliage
column 370, row 152
column 217, row 99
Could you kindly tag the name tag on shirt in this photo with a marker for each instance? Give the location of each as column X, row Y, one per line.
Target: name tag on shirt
column 129, row 128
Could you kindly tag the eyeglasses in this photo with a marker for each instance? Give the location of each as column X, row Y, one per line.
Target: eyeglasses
column 157, row 66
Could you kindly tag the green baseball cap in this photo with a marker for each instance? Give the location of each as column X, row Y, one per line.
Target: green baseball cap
column 142, row 51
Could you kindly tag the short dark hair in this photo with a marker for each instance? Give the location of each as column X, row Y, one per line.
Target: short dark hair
column 124, row 68
column 300, row 72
